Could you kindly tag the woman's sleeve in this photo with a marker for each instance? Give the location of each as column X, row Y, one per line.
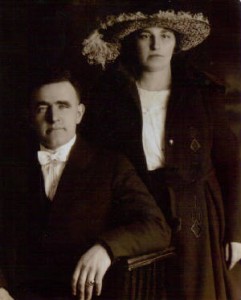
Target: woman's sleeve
column 226, row 158
column 139, row 225
column 3, row 282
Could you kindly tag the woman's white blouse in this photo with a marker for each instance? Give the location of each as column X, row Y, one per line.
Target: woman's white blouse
column 154, row 107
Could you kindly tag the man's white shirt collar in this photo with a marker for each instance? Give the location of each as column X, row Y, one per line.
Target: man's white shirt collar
column 64, row 149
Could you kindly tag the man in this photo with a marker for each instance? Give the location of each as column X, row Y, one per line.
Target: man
column 79, row 208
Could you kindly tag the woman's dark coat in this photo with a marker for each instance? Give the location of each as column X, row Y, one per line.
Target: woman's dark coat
column 201, row 155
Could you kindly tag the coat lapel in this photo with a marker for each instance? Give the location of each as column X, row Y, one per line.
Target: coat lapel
column 80, row 157
column 176, row 103
column 36, row 180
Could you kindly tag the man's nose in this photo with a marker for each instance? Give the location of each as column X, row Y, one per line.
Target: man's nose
column 53, row 114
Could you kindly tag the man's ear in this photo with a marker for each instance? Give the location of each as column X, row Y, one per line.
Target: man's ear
column 30, row 117
column 80, row 113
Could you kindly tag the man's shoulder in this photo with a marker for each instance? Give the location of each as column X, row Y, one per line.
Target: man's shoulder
column 99, row 155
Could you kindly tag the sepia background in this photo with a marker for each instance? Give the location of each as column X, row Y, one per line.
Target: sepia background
column 40, row 32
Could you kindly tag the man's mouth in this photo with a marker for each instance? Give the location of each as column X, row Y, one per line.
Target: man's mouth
column 49, row 130
column 155, row 55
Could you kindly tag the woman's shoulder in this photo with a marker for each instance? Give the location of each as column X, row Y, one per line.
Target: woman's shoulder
column 203, row 79
column 113, row 82
column 118, row 73
column 211, row 89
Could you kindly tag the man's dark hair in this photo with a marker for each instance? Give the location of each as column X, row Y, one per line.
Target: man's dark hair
column 53, row 75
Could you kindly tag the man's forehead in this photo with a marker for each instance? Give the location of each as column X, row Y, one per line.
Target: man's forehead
column 56, row 88
column 39, row 101
column 55, row 92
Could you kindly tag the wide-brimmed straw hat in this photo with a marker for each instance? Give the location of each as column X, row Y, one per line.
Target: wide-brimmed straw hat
column 104, row 44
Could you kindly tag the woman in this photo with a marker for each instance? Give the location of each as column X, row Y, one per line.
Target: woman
column 168, row 119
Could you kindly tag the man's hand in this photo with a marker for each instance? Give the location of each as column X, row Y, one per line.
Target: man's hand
column 89, row 272
column 4, row 295
column 232, row 253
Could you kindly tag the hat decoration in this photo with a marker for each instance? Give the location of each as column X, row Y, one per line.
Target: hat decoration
column 104, row 44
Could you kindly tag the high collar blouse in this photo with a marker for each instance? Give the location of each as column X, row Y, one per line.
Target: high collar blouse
column 154, row 107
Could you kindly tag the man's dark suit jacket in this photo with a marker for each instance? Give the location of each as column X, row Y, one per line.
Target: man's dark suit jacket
column 99, row 199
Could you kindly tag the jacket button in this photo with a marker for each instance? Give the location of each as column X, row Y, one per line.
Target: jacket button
column 45, row 235
column 171, row 142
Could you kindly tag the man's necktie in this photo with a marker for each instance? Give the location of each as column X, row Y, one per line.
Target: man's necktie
column 45, row 157
column 50, row 163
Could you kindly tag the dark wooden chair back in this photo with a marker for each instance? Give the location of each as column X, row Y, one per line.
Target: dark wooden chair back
column 137, row 278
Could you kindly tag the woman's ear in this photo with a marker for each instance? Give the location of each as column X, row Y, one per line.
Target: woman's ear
column 177, row 45
column 176, row 50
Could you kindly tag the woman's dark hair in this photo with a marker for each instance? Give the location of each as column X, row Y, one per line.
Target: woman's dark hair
column 128, row 55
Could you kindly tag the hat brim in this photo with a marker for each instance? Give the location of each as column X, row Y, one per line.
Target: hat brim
column 193, row 30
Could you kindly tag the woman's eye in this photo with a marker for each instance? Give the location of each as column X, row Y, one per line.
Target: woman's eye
column 165, row 36
column 144, row 36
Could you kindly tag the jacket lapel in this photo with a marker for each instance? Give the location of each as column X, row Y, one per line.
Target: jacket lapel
column 79, row 159
column 174, row 106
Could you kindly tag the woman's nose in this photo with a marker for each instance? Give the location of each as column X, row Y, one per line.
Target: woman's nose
column 155, row 42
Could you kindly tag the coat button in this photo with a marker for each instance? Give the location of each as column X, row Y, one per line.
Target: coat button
column 171, row 142
column 45, row 235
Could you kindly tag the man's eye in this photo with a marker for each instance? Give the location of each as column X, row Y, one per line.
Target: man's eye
column 41, row 108
column 63, row 105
